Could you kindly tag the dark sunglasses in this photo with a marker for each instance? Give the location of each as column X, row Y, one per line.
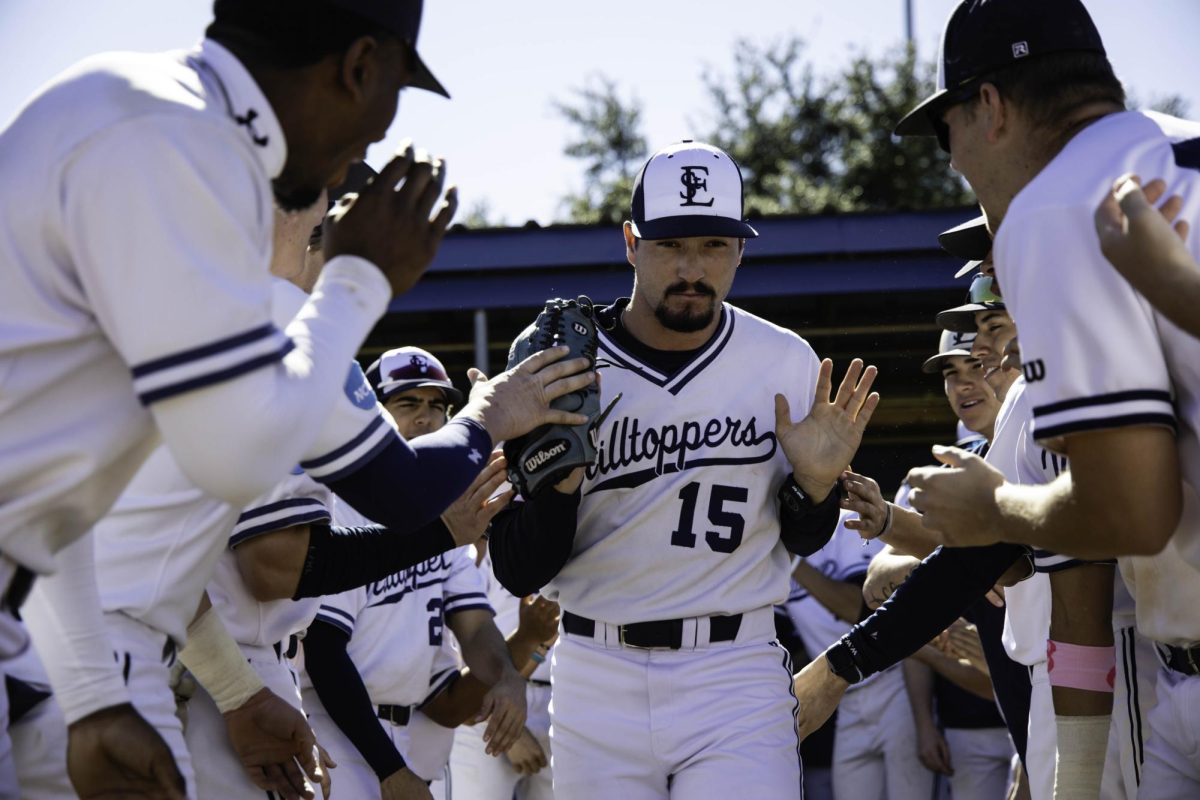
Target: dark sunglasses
column 948, row 101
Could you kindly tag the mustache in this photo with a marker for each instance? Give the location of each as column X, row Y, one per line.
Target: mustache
column 696, row 288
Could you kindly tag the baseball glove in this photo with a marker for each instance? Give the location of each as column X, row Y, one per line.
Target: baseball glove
column 545, row 456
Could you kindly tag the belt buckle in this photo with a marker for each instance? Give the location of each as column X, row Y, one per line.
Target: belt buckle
column 621, row 639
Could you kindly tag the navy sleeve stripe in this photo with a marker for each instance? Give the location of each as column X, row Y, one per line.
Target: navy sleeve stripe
column 341, row 626
column 1103, row 399
column 387, row 438
column 440, row 684
column 218, row 376
column 270, row 508
column 279, row 524
column 334, row 455
column 339, row 612
column 470, row 607
column 204, row 351
column 1124, row 421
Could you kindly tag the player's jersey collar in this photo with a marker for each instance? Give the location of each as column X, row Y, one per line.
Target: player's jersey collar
column 232, row 85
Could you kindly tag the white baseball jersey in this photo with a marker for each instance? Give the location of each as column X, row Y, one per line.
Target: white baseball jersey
column 679, row 516
column 157, row 547
column 845, row 556
column 136, row 216
column 397, row 625
column 1095, row 353
column 299, row 500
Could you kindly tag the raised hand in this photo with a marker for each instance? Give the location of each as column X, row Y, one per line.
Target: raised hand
column 820, row 446
column 864, row 498
column 468, row 517
column 518, row 400
column 276, row 746
column 115, row 753
column 392, row 227
column 538, row 619
column 959, row 503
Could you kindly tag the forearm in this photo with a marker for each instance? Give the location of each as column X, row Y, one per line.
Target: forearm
column 918, row 683
column 908, row 536
column 340, row 689
column 531, row 541
column 805, row 526
column 962, row 675
column 406, row 485
column 1171, row 282
column 843, row 599
column 885, row 573
column 520, row 650
column 486, row 656
column 939, row 590
column 237, row 437
column 462, row 700
column 337, row 558
column 65, row 618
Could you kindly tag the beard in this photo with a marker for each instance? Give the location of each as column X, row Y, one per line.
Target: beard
column 295, row 198
column 686, row 320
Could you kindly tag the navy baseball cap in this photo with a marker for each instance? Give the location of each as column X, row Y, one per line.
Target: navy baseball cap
column 982, row 36
column 402, row 18
column 689, row 189
column 406, row 368
column 984, row 295
column 970, row 241
column 951, row 344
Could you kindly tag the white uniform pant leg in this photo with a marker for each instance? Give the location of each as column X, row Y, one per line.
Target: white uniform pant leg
column 1172, row 766
column 39, row 742
column 474, row 775
column 353, row 777
column 8, row 769
column 219, row 772
column 857, row 766
column 982, row 760
column 906, row 777
column 146, row 658
column 1133, row 698
column 1042, row 748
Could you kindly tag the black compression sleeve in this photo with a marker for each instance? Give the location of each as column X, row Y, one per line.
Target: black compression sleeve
column 346, row 558
column 805, row 528
column 531, row 541
column 937, row 592
column 408, row 484
column 340, row 687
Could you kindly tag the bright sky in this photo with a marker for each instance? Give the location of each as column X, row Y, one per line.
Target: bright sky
column 506, row 63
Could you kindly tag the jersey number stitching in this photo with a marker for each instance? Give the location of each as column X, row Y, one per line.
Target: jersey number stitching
column 683, row 535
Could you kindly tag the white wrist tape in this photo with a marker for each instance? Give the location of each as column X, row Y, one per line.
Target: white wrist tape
column 1082, row 743
column 216, row 661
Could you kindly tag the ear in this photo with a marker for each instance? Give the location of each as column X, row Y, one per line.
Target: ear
column 996, row 109
column 630, row 243
column 359, row 68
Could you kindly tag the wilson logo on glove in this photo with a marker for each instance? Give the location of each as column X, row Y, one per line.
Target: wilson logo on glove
column 545, row 456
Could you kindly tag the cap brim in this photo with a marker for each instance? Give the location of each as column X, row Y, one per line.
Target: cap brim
column 968, row 268
column 961, row 319
column 453, row 396
column 970, row 240
column 692, row 225
column 917, row 122
column 422, row 78
column 934, row 363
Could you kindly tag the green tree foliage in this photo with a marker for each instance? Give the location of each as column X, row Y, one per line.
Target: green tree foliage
column 610, row 143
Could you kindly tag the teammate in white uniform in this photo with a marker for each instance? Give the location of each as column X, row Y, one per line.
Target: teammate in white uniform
column 137, row 208
column 875, row 744
column 668, row 560
column 378, row 665
column 1105, row 371
column 524, row 771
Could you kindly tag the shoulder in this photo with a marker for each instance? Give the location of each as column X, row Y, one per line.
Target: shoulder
column 751, row 327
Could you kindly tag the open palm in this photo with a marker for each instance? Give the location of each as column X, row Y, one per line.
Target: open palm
column 820, row 446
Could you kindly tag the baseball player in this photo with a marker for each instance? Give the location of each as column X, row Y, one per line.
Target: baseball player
column 875, row 741
column 379, row 664
column 1131, row 491
column 668, row 555
column 136, row 226
column 524, row 771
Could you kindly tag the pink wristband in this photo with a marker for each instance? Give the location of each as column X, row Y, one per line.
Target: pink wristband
column 1077, row 666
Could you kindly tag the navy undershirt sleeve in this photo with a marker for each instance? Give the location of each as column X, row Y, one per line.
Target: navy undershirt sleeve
column 340, row 687
column 531, row 541
column 409, row 484
column 937, row 592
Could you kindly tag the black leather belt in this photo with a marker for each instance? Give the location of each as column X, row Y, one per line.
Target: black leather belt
column 287, row 649
column 1181, row 659
column 663, row 633
column 18, row 589
column 536, row 682
column 397, row 715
